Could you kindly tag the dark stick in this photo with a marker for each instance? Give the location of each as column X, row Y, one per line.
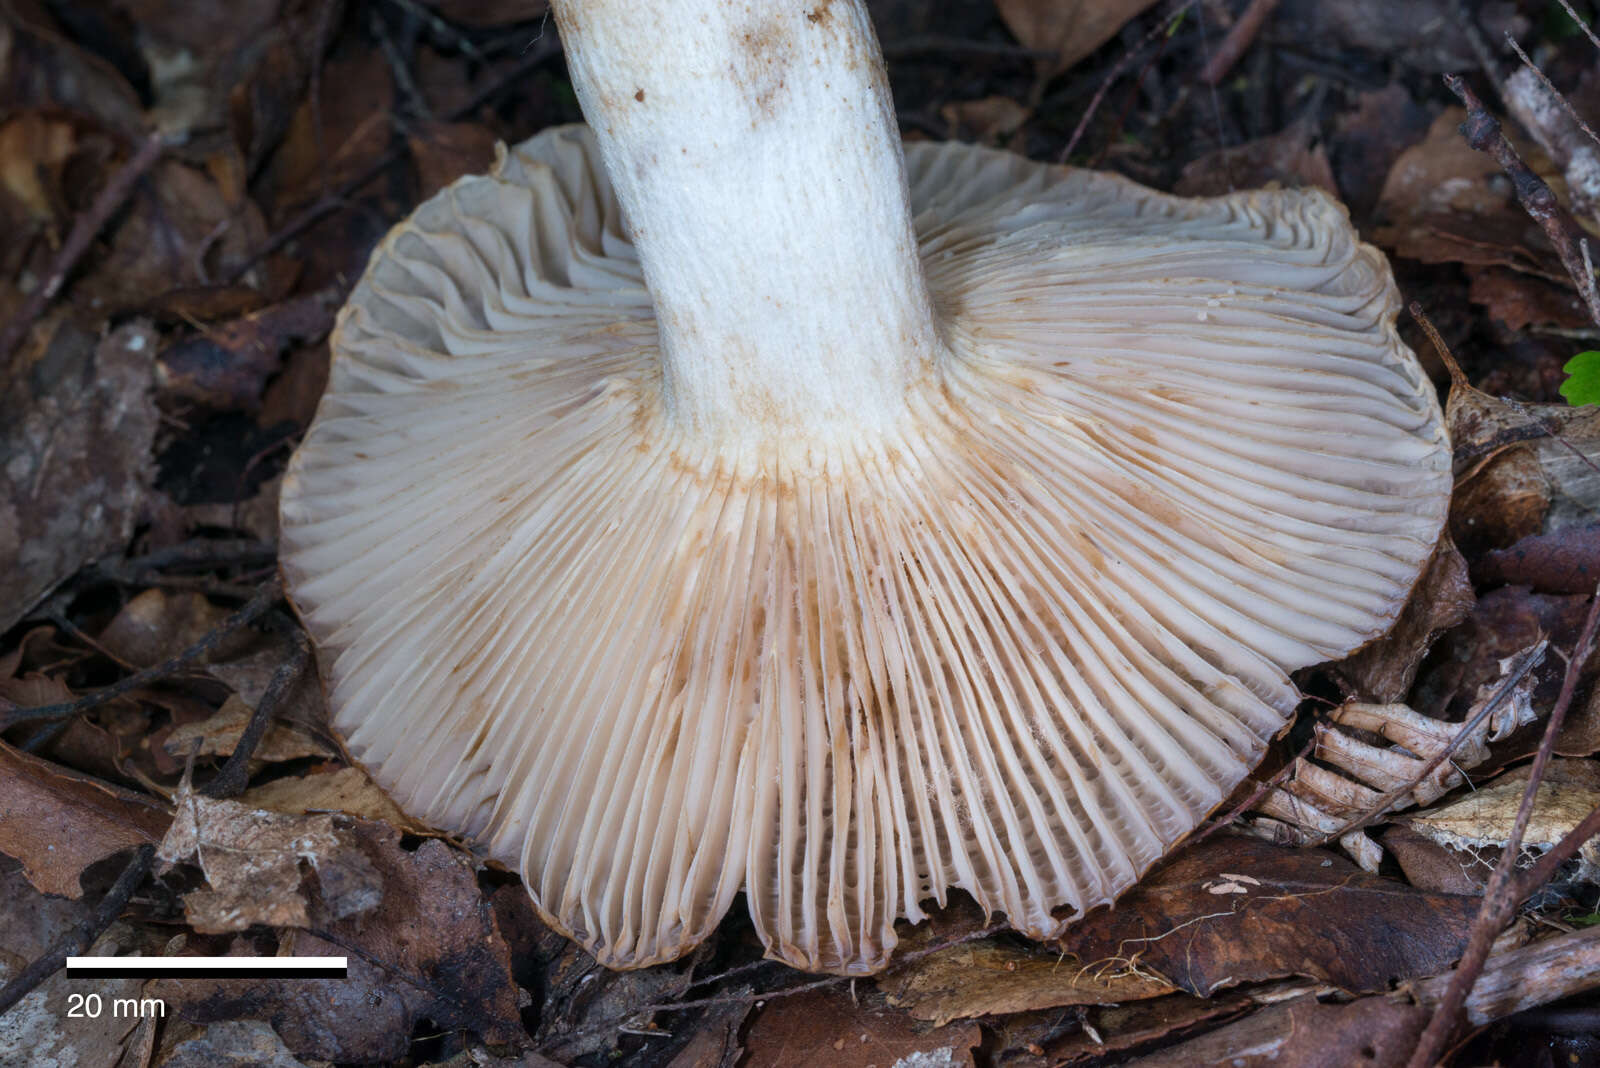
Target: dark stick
column 1500, row 896
column 84, row 229
column 1157, row 30
column 1239, row 39
column 80, row 938
column 235, row 774
column 265, row 598
column 1482, row 132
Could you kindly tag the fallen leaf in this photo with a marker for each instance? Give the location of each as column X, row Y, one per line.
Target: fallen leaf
column 431, row 950
column 348, row 790
column 990, row 978
column 1500, row 502
column 251, row 859
column 39, row 1031
column 1445, row 202
column 1069, row 28
column 57, row 822
column 76, row 428
column 1369, row 138
column 444, row 151
column 219, row 735
column 989, row 121
column 158, row 624
column 1383, row 670
column 830, row 1027
column 1289, row 158
column 33, row 150
column 1314, row 914
column 227, row 366
column 1429, row 865
column 1482, row 820
column 233, row 1044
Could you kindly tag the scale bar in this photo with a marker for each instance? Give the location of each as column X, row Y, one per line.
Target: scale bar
column 208, row 967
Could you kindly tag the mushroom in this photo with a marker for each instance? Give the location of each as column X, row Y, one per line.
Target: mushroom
column 724, row 497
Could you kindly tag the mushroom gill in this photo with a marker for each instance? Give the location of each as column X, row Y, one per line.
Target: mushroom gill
column 1018, row 638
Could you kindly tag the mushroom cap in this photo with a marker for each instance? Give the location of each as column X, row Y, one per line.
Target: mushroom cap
column 1020, row 644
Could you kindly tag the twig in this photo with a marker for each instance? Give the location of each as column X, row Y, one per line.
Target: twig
column 1256, row 795
column 1527, row 663
column 80, row 938
column 265, row 598
column 548, row 46
column 1500, row 898
column 1555, row 93
column 1238, row 40
column 1163, row 25
column 84, row 229
column 235, row 774
column 1482, row 132
column 558, row 1041
column 1584, row 26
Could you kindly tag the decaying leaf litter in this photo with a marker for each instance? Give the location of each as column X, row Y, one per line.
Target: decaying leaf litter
column 169, row 786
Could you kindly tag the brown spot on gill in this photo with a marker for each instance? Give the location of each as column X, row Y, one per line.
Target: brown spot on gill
column 639, row 95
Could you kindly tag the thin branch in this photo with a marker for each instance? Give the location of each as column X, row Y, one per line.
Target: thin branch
column 75, row 942
column 84, row 229
column 1482, row 132
column 1584, row 26
column 1559, row 96
column 1162, row 26
column 558, row 1041
column 1501, row 895
column 235, row 774
column 265, row 598
column 1238, row 41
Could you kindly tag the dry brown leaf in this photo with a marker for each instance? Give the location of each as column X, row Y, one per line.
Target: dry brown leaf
column 1289, row 158
column 990, row 978
column 57, row 822
column 233, row 1044
column 1234, row 910
column 1429, row 865
column 158, row 624
column 1567, row 561
column 348, row 790
column 1120, row 1028
column 832, row 1028
column 76, row 427
column 1069, row 28
column 444, row 151
column 33, row 149
column 431, row 950
column 989, row 121
column 251, row 859
column 1483, row 819
column 218, row 735
column 227, row 366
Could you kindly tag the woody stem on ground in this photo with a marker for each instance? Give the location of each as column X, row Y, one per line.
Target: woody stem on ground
column 1482, row 132
column 1504, row 892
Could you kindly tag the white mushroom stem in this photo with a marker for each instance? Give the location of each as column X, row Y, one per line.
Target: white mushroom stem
column 756, row 156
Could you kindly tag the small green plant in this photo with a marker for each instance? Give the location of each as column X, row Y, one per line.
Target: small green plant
column 1583, row 379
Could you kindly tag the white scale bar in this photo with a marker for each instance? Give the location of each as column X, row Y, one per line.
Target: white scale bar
column 209, row 967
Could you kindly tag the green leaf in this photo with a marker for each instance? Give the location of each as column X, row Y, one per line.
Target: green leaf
column 1583, row 379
